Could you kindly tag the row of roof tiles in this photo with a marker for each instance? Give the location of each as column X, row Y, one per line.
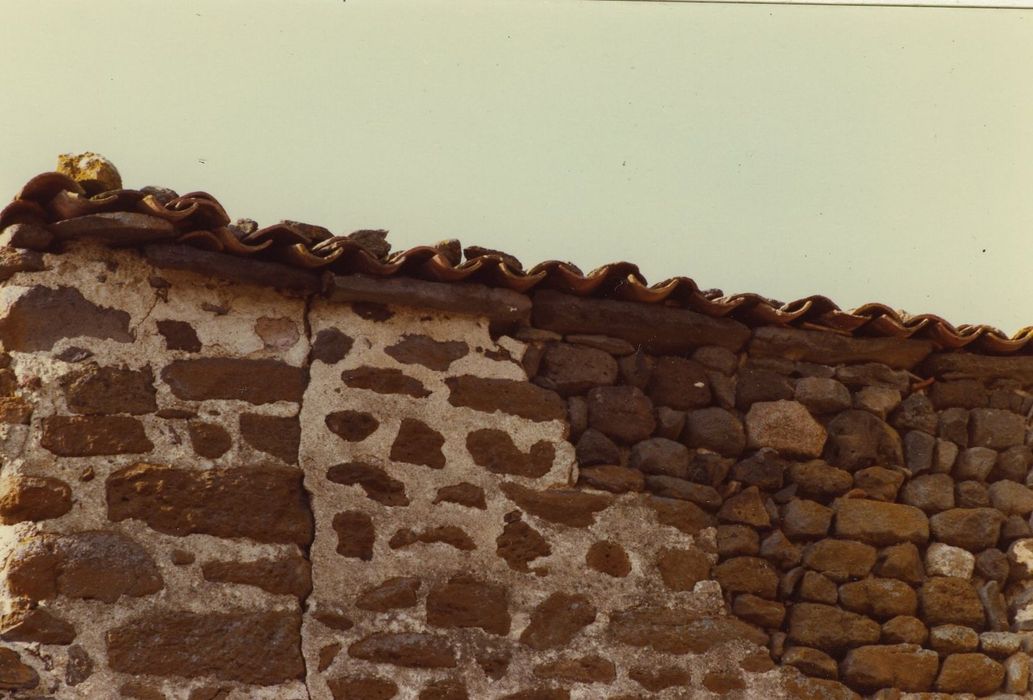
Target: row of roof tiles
column 197, row 219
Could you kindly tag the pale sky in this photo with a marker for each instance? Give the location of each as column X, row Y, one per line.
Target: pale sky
column 867, row 154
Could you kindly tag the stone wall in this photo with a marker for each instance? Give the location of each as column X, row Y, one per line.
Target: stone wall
column 216, row 490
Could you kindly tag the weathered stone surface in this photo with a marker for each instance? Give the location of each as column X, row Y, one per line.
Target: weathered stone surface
column 879, row 523
column 15, row 410
column 830, row 629
column 495, row 450
column 557, row 620
column 465, row 601
column 263, row 648
column 681, row 569
column 757, row 611
column 564, row 506
column 816, row 588
column 1017, row 673
column 966, row 393
column 574, row 369
column 274, row 435
column 678, row 631
column 519, row 544
column 828, row 348
column 26, row 236
column 930, row 492
column 32, row 498
column 953, row 639
column 1011, row 498
column 95, row 565
column 975, row 463
column 682, row 515
column 613, row 346
column 974, row 494
column 623, row 413
column 1000, row 644
column 747, row 575
column 437, row 355
column 609, row 477
column 408, row 649
column 996, row 429
column 817, row 479
column 879, row 400
column 451, row 535
column 79, row 667
column 657, row 328
column 506, row 395
column 378, row 484
column 89, row 436
column 812, row 662
column 803, row 519
column 384, row 381
column 585, row 669
column 715, row 429
column 944, row 456
column 678, row 383
column 901, row 561
column 881, row 598
column 445, row 689
column 858, row 439
column 351, row 426
column 785, row 426
column 263, row 503
column 179, row 335
column 1013, row 464
column 291, row 575
column 595, row 448
column 969, row 673
column 636, row 369
column 754, row 384
column 763, row 469
column 905, row 667
column 974, row 529
column 208, row 439
column 418, row 443
column 992, row 564
column 463, row 493
column 904, row 629
column 879, row 483
column 609, row 558
column 24, row 624
column 747, row 508
column 822, row 395
column 41, row 316
column 105, row 390
column 356, row 687
column 254, row 381
column 330, row 346
column 671, row 487
column 840, row 559
column 945, row 600
column 14, row 674
column 945, row 560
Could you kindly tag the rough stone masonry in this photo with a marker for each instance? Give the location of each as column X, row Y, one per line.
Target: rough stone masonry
column 218, row 489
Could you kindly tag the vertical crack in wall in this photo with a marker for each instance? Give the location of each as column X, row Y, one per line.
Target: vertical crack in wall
column 306, row 552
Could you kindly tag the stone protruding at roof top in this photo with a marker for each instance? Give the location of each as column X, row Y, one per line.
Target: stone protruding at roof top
column 84, row 200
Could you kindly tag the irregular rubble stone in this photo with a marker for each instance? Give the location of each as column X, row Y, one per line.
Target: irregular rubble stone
column 208, row 439
column 754, row 385
column 660, row 456
column 574, row 369
column 407, row 649
column 464, row 494
column 996, row 429
column 609, row 558
column 881, row 598
column 812, row 662
column 274, row 435
column 1013, row 464
column 508, row 396
column 945, row 600
column 106, row 390
column 760, row 612
column 520, row 544
column 930, row 492
column 827, row 348
column 1017, row 673
column 179, row 335
column 450, row 535
column 682, row 569
column 563, row 506
column 880, row 524
column 969, row 673
column 254, row 381
column 90, row 436
column 418, row 443
column 1011, row 498
column 973, row 494
column 465, row 601
column 822, row 395
column 966, row 393
column 945, row 560
column 906, row 667
column 840, row 559
column 1000, row 644
column 901, row 561
column 681, row 515
column 858, row 439
column 623, row 413
column 330, row 346
column 816, row 588
column 764, row 469
column 879, row 483
column 595, row 448
column 264, row 648
column 678, row 631
column 671, row 487
column 975, row 463
column 816, row 479
column 26, row 236
column 974, row 529
column 611, row 478
column 916, row 412
column 367, row 687
column 384, row 381
column 944, row 456
column 878, row 400
column 747, row 508
column 41, row 316
column 747, row 575
column 289, row 575
column 715, row 429
column 785, row 426
column 351, row 426
column 585, row 669
column 263, row 503
column 904, row 629
column 678, row 383
column 953, row 639
column 803, row 519
column 992, row 564
column 953, row 426
column 423, row 350
column 556, row 621
column 24, row 624
column 830, row 629
column 14, row 674
column 636, row 369
column 32, row 498
column 80, row 665
column 669, row 423
column 495, row 451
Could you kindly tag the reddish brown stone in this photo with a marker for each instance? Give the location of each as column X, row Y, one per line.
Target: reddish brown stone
column 24, row 497
column 830, row 629
column 445, row 689
column 334, row 619
column 106, row 390
column 828, row 348
column 879, row 483
column 574, row 369
column 274, row 435
column 858, row 439
column 682, row 515
column 208, row 439
column 15, row 410
column 840, row 559
column 181, row 557
column 351, row 426
column 610, row 477
column 89, row 436
column 495, row 450
column 901, row 561
column 595, row 448
column 493, row 660
column 263, row 503
column 286, row 576
column 816, row 479
column 519, row 544
column 377, row 484
column 679, row 383
column 904, row 629
column 261, row 648
column 539, row 694
column 15, row 675
column 905, row 667
column 468, row 602
column 746, row 508
column 881, row 598
column 79, row 667
column 623, row 413
column 412, row 650
column 254, row 381
column 563, row 506
column 362, row 688
column 974, row 529
column 609, row 558
column 40, row 317
column 803, row 519
column 557, row 620
column 969, row 673
column 424, row 350
column 755, row 610
column 814, row 663
column 737, row 540
column 330, row 346
column 445, row 534
column 655, row 680
column 355, row 534
column 946, row 600
column 463, row 493
column 179, row 335
column 506, row 395
column 723, row 681
column 418, row 443
column 880, row 524
column 394, row 593
column 35, row 625
column 94, row 565
column 585, row 669
column 660, row 456
column 372, row 311
column 756, row 385
column 678, row 631
column 747, row 575
column 384, row 381
column 681, row 569
column 715, row 429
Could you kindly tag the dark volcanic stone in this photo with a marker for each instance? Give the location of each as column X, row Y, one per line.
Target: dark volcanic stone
column 574, row 369
column 106, row 390
column 42, row 316
column 623, row 413
column 679, row 383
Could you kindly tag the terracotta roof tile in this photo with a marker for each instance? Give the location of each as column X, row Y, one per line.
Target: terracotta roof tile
column 197, row 219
